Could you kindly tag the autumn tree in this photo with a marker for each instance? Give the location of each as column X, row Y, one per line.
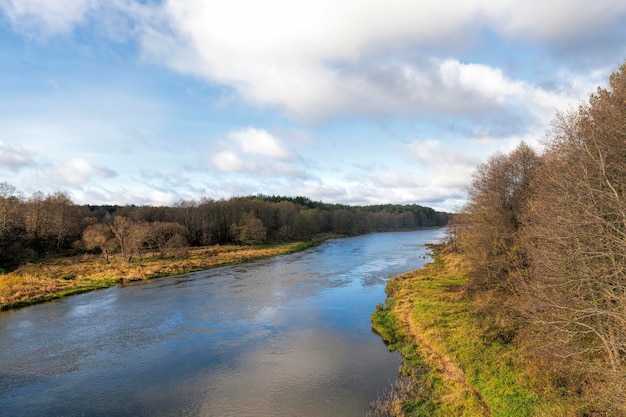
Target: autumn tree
column 61, row 222
column 53, row 223
column 99, row 236
column 576, row 233
column 122, row 229
column 191, row 220
column 165, row 237
column 344, row 221
column 34, row 216
column 137, row 240
column 9, row 209
column 251, row 231
column 489, row 227
column 11, row 222
column 306, row 223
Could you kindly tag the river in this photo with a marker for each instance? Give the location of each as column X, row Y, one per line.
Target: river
column 286, row 336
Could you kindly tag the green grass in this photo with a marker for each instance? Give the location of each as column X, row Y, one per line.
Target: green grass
column 494, row 370
column 492, row 366
column 415, row 394
column 58, row 294
column 386, row 325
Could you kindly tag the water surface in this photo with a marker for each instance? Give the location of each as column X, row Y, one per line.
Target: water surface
column 287, row 336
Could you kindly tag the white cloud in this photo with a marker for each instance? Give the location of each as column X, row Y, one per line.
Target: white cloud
column 311, row 61
column 100, row 195
column 77, row 171
column 325, row 30
column 434, row 152
column 444, row 165
column 450, row 87
column 554, row 19
column 318, row 59
column 45, row 16
column 13, row 159
column 228, row 161
column 256, row 152
column 371, row 189
column 258, row 141
column 481, row 80
column 315, row 60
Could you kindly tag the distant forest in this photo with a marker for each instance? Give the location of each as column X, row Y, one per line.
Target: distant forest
column 41, row 225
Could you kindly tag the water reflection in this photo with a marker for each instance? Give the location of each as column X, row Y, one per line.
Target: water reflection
column 285, row 336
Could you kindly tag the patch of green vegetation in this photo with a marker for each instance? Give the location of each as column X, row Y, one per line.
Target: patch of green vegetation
column 315, row 241
column 492, row 368
column 56, row 295
column 495, row 369
column 414, row 394
column 386, row 325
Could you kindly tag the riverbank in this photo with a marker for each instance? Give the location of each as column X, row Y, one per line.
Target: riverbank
column 456, row 362
column 55, row 278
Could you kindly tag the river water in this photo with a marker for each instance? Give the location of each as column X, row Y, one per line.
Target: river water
column 286, row 336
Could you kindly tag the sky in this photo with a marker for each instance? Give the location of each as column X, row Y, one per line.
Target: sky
column 345, row 101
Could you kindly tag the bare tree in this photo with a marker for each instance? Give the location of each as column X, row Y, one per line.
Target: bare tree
column 34, row 216
column 99, row 236
column 122, row 229
column 137, row 237
column 576, row 238
column 11, row 222
column 9, row 209
column 61, row 221
column 166, row 236
column 490, row 223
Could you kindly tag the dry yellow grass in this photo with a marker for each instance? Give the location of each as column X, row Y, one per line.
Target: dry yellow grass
column 36, row 282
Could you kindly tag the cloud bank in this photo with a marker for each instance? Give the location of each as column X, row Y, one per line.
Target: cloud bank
column 439, row 87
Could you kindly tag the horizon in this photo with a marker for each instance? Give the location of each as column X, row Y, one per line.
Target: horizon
column 262, row 197
column 355, row 103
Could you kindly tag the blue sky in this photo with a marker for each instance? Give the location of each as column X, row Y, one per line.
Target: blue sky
column 356, row 102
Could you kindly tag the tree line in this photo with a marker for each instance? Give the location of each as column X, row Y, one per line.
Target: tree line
column 544, row 235
column 38, row 225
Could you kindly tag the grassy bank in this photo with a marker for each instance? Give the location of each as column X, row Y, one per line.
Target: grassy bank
column 457, row 362
column 59, row 277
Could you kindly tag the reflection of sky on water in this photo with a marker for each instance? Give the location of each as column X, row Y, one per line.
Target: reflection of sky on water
column 319, row 380
column 284, row 336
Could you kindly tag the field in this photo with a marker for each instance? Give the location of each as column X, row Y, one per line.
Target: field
column 61, row 276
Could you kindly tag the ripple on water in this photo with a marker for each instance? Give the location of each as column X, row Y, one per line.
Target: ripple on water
column 287, row 336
